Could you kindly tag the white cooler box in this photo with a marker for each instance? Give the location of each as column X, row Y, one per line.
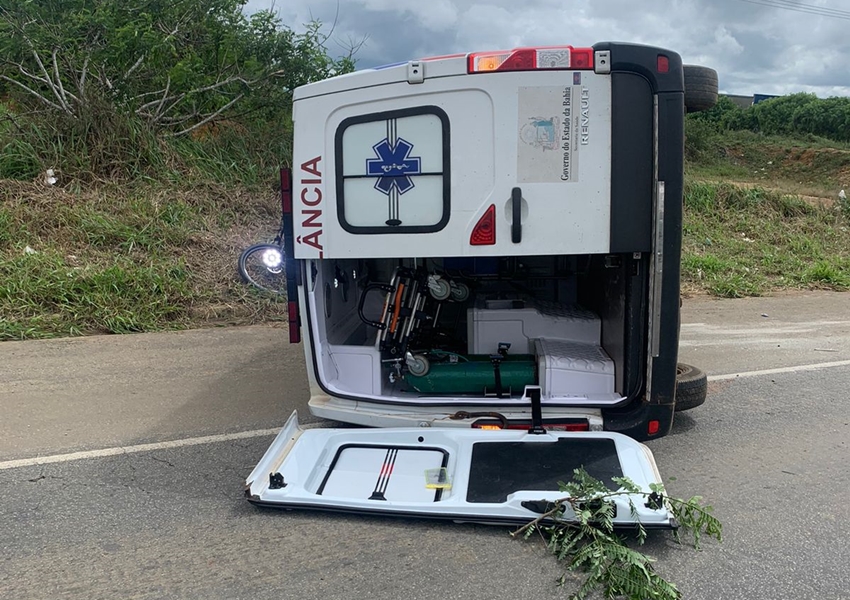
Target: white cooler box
column 518, row 322
column 573, row 369
column 564, row 337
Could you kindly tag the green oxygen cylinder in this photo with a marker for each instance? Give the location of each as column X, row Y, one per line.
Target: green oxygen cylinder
column 476, row 374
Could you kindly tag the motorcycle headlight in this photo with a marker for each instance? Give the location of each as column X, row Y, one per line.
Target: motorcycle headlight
column 272, row 258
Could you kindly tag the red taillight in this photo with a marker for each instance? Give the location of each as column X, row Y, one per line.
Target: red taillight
column 531, row 59
column 581, row 58
column 519, row 60
column 663, row 64
column 566, row 426
column 653, row 427
column 577, row 426
column 290, row 265
column 294, row 328
column 286, row 191
column 484, row 232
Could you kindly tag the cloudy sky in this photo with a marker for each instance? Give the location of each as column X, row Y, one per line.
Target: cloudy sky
column 755, row 46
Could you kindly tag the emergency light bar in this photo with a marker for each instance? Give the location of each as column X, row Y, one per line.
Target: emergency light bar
column 531, row 59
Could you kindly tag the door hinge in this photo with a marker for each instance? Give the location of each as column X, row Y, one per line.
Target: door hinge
column 415, row 72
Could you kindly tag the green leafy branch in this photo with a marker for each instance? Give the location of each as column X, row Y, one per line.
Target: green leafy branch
column 588, row 544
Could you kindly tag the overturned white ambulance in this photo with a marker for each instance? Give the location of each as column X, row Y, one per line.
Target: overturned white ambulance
column 483, row 254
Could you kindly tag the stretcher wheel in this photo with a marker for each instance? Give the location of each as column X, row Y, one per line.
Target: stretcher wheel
column 460, row 292
column 440, row 289
column 419, row 365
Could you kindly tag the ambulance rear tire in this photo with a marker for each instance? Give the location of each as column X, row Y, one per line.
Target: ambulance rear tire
column 700, row 88
column 691, row 387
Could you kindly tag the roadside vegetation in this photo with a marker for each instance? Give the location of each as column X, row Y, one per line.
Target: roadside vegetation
column 763, row 210
column 140, row 144
column 748, row 241
column 128, row 257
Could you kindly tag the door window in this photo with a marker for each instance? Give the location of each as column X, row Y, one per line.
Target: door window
column 393, row 172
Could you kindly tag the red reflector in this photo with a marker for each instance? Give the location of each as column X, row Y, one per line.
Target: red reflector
column 294, row 329
column 663, row 64
column 653, row 428
column 520, row 60
column 546, row 426
column 286, row 191
column 566, row 426
column 484, row 232
column 581, row 58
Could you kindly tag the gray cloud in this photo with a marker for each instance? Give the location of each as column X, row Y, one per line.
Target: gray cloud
column 755, row 49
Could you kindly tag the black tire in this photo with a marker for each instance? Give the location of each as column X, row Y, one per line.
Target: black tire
column 253, row 270
column 700, row 88
column 691, row 387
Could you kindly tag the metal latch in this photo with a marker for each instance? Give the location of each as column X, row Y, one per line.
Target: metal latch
column 536, row 410
column 602, row 61
column 415, row 71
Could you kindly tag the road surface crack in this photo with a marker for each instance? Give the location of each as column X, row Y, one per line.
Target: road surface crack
column 162, row 460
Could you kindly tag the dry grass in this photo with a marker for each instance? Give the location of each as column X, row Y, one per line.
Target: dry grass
column 138, row 257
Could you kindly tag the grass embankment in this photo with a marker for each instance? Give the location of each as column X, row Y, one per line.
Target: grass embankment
column 762, row 213
column 811, row 167
column 741, row 241
column 123, row 258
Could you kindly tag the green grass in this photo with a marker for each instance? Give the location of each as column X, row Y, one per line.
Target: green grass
column 114, row 147
column 750, row 241
column 43, row 295
column 128, row 258
column 141, row 232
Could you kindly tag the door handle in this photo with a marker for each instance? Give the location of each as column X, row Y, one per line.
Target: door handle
column 516, row 215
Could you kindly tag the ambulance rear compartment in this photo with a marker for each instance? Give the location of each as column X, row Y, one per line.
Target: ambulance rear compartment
column 461, row 237
column 453, row 331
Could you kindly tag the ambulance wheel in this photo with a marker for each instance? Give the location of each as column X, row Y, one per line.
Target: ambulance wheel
column 440, row 289
column 460, row 292
column 419, row 366
column 691, row 387
column 700, row 88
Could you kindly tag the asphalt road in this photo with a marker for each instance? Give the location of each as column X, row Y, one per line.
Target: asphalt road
column 768, row 450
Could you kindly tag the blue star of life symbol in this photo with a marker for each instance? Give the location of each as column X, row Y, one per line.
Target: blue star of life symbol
column 393, row 166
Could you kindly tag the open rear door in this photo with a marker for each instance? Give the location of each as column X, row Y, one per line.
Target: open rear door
column 387, row 165
column 497, row 477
